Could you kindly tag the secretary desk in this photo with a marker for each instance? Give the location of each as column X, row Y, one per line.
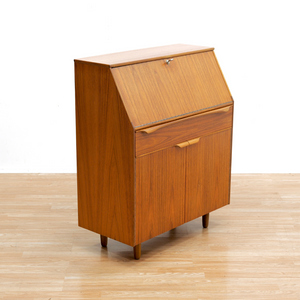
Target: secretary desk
column 154, row 139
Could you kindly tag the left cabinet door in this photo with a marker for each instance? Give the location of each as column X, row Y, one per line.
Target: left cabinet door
column 160, row 192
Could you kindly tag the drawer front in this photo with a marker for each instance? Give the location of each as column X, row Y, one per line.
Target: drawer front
column 169, row 134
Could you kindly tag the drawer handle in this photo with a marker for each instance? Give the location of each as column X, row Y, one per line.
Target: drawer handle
column 188, row 143
column 216, row 111
column 152, row 129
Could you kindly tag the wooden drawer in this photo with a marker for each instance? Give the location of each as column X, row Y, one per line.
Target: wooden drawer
column 166, row 135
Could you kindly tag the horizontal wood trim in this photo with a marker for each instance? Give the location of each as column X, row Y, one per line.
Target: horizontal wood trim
column 182, row 130
column 142, row 55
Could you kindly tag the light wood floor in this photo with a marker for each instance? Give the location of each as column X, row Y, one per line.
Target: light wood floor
column 251, row 249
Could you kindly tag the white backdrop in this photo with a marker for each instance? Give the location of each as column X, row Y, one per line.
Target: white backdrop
column 256, row 42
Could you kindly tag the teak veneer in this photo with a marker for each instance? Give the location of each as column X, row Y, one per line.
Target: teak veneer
column 154, row 136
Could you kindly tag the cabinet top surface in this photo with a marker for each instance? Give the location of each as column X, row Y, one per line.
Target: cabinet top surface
column 142, row 55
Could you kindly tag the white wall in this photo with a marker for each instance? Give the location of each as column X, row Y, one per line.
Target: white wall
column 256, row 42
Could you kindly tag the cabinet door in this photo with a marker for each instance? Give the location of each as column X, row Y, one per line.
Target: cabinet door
column 208, row 174
column 160, row 192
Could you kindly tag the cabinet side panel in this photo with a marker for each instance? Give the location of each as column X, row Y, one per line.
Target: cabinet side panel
column 208, row 174
column 105, row 155
column 160, row 192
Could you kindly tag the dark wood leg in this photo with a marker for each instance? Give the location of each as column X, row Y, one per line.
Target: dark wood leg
column 103, row 240
column 205, row 220
column 137, row 251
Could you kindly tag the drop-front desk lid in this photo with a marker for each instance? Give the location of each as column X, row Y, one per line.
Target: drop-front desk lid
column 160, row 84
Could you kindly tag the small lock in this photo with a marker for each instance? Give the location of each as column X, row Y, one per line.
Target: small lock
column 168, row 61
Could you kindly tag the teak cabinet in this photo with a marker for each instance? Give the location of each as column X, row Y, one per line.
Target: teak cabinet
column 154, row 136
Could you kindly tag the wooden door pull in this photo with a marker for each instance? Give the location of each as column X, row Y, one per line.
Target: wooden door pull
column 154, row 128
column 188, row 143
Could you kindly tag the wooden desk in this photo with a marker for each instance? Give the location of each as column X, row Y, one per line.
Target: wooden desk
column 154, row 136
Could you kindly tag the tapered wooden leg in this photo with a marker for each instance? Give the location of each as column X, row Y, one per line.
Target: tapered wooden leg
column 137, row 251
column 205, row 220
column 103, row 240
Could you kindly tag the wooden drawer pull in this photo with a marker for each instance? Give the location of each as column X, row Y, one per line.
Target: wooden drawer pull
column 188, row 143
column 152, row 129
column 216, row 111
column 194, row 141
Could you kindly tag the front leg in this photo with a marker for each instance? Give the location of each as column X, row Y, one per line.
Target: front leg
column 137, row 251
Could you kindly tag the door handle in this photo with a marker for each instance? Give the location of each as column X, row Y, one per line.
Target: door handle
column 188, row 143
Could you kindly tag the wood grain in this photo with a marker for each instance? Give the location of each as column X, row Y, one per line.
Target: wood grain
column 105, row 155
column 208, row 174
column 154, row 92
column 182, row 130
column 142, row 55
column 251, row 249
column 160, row 192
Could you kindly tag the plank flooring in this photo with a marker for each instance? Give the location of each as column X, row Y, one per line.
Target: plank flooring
column 250, row 250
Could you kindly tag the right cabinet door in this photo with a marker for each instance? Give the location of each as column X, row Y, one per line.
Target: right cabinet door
column 208, row 168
